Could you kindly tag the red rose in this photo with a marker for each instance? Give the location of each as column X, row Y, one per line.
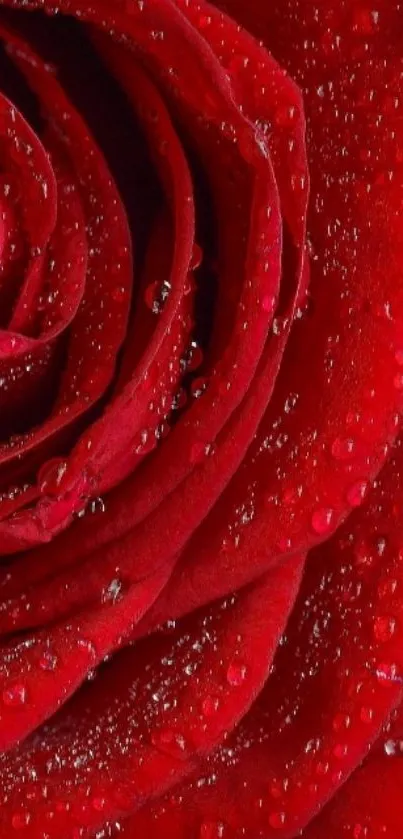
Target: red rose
column 201, row 373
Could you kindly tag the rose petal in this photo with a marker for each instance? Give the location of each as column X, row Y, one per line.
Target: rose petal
column 30, row 694
column 171, row 699
column 296, row 504
column 336, row 680
column 369, row 804
column 79, row 373
column 131, row 503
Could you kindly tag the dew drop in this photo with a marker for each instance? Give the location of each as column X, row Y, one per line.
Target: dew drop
column 398, row 381
column 99, row 804
column 146, row 442
column 356, row 493
column 366, row 714
column 322, row 768
column 343, row 448
column 97, row 505
column 197, row 257
column 205, row 21
column 62, row 806
column 359, row 831
column 48, row 661
column 113, row 591
column 21, row 820
column 179, row 400
column 210, row 706
column 87, row 647
column 387, row 588
column 285, row 115
column 390, row 748
column 211, row 830
column 381, row 545
column 387, row 674
column 268, row 304
column 236, row 674
column 198, row 452
column 276, row 790
column 15, row 696
column 169, row 741
column 194, row 357
column 8, row 343
column 322, row 520
column 198, row 387
column 155, row 296
column 276, row 820
column 119, row 294
column 384, row 628
column 50, row 477
column 341, row 722
column 340, row 750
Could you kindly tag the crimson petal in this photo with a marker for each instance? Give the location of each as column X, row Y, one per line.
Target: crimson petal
column 181, row 454
column 171, row 699
column 368, row 805
column 342, row 649
column 88, row 376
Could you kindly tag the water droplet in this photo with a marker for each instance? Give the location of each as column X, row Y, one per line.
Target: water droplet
column 387, row 588
column 146, row 442
column 340, row 750
column 119, row 294
column 390, row 748
column 198, row 387
column 197, row 257
column 179, row 400
column 162, row 431
column 50, row 477
column 381, row 545
column 156, row 294
column 384, row 628
column 322, row 520
column 399, row 357
column 48, row 661
column 169, row 741
column 341, row 722
column 236, row 674
column 268, row 303
column 21, row 820
column 343, row 448
column 398, row 381
column 212, row 830
column 15, row 696
column 97, row 505
column 359, row 831
column 198, row 452
column 276, row 820
column 99, row 804
column 87, row 647
column 356, row 493
column 193, row 358
column 387, row 674
column 113, row 592
column 366, row 714
column 276, row 789
column 210, row 706
column 285, row 115
column 62, row 806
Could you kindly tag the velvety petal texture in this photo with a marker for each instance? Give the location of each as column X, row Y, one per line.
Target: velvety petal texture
column 201, row 384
